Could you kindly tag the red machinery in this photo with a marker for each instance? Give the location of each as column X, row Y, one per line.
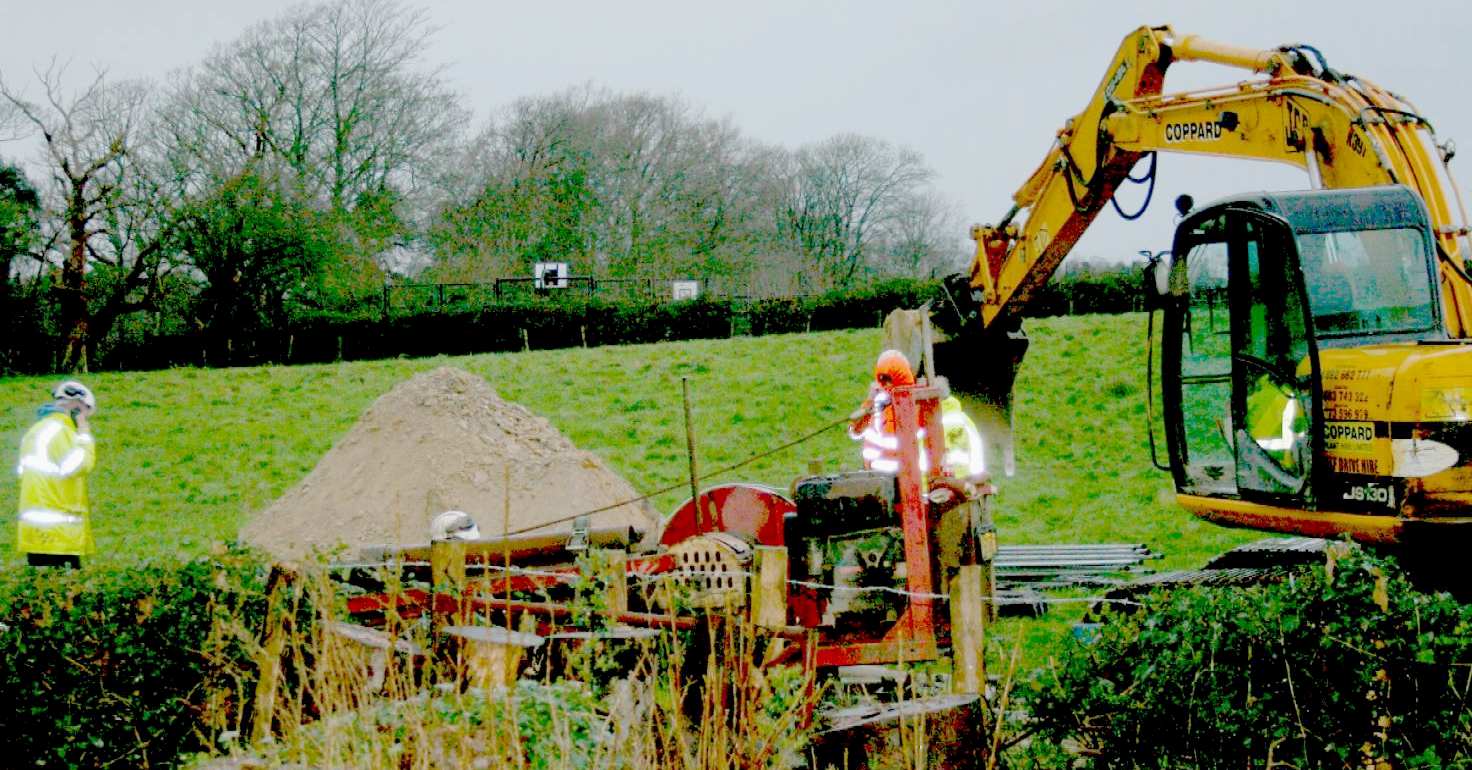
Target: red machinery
column 859, row 559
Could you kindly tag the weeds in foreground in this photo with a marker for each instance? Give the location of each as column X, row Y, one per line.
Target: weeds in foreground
column 1346, row 667
column 350, row 697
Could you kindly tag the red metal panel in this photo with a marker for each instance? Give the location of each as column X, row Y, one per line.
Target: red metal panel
column 913, row 516
column 750, row 510
column 875, row 653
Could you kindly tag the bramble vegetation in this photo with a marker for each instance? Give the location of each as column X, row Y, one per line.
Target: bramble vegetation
column 1346, row 667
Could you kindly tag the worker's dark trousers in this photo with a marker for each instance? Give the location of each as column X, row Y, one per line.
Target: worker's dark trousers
column 54, row 560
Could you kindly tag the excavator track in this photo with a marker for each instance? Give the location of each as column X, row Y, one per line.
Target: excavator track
column 1269, row 560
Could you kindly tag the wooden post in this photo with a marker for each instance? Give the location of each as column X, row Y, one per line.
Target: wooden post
column 447, row 573
column 525, row 343
column 615, row 574
column 701, row 514
column 492, row 655
column 987, row 552
column 968, row 630
column 268, row 661
column 769, row 595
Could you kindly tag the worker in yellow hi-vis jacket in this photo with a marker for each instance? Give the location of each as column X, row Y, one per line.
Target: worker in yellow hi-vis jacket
column 56, row 455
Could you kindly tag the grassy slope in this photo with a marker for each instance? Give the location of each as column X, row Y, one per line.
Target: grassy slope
column 186, row 455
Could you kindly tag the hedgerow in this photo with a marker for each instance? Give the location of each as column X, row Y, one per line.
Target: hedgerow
column 1346, row 667
column 120, row 667
column 525, row 323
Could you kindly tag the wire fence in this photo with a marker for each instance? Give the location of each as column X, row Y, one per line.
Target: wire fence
column 839, row 590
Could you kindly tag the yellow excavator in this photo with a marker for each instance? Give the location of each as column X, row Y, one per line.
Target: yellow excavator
column 1315, row 365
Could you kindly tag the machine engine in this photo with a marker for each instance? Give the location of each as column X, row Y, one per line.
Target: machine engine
column 846, row 534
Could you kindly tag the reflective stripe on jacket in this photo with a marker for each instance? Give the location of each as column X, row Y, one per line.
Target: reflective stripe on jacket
column 963, row 447
column 881, row 448
column 54, row 462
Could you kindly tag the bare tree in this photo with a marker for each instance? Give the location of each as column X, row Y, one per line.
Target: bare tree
column 89, row 146
column 841, row 196
column 924, row 238
column 525, row 194
column 337, row 93
column 672, row 187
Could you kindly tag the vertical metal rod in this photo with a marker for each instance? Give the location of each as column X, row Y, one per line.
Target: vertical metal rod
column 690, row 451
column 927, row 342
column 506, row 539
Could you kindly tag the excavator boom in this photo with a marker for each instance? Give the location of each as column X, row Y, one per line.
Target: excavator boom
column 1344, row 131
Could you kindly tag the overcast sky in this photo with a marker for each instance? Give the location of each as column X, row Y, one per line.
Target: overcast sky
column 977, row 88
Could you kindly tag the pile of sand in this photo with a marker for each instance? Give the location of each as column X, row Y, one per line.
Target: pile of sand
column 441, row 441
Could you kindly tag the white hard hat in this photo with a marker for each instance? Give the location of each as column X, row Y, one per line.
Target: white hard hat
column 71, row 390
column 453, row 525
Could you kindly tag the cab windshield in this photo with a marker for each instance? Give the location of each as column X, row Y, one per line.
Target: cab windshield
column 1368, row 281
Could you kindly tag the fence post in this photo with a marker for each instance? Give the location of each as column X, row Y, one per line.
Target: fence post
column 615, row 574
column 968, row 629
column 447, row 579
column 769, row 595
column 279, row 616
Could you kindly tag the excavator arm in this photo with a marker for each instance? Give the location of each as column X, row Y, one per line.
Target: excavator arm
column 1343, row 130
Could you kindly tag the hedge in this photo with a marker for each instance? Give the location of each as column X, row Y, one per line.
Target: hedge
column 1354, row 668
column 535, row 324
column 120, row 667
column 550, row 321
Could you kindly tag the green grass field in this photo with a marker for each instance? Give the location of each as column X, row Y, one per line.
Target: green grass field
column 186, row 455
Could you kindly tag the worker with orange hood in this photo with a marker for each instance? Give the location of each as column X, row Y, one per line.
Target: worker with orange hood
column 874, row 422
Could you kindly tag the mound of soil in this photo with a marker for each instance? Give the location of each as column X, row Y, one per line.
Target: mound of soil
column 442, row 441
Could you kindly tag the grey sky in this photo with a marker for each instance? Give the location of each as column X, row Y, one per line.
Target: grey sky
column 978, row 88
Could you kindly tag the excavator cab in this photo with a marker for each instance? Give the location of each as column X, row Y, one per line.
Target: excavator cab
column 1269, row 297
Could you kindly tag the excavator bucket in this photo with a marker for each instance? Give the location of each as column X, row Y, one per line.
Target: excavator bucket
column 982, row 369
column 981, row 366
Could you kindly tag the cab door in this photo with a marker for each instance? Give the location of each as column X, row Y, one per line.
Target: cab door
column 1196, row 353
column 1239, row 362
column 1275, row 377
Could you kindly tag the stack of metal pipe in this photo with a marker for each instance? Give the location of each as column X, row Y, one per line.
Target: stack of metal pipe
column 1070, row 564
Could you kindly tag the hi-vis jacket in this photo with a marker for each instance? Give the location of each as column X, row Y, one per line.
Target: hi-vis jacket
column 54, row 462
column 880, row 450
column 1276, row 422
column 963, row 441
